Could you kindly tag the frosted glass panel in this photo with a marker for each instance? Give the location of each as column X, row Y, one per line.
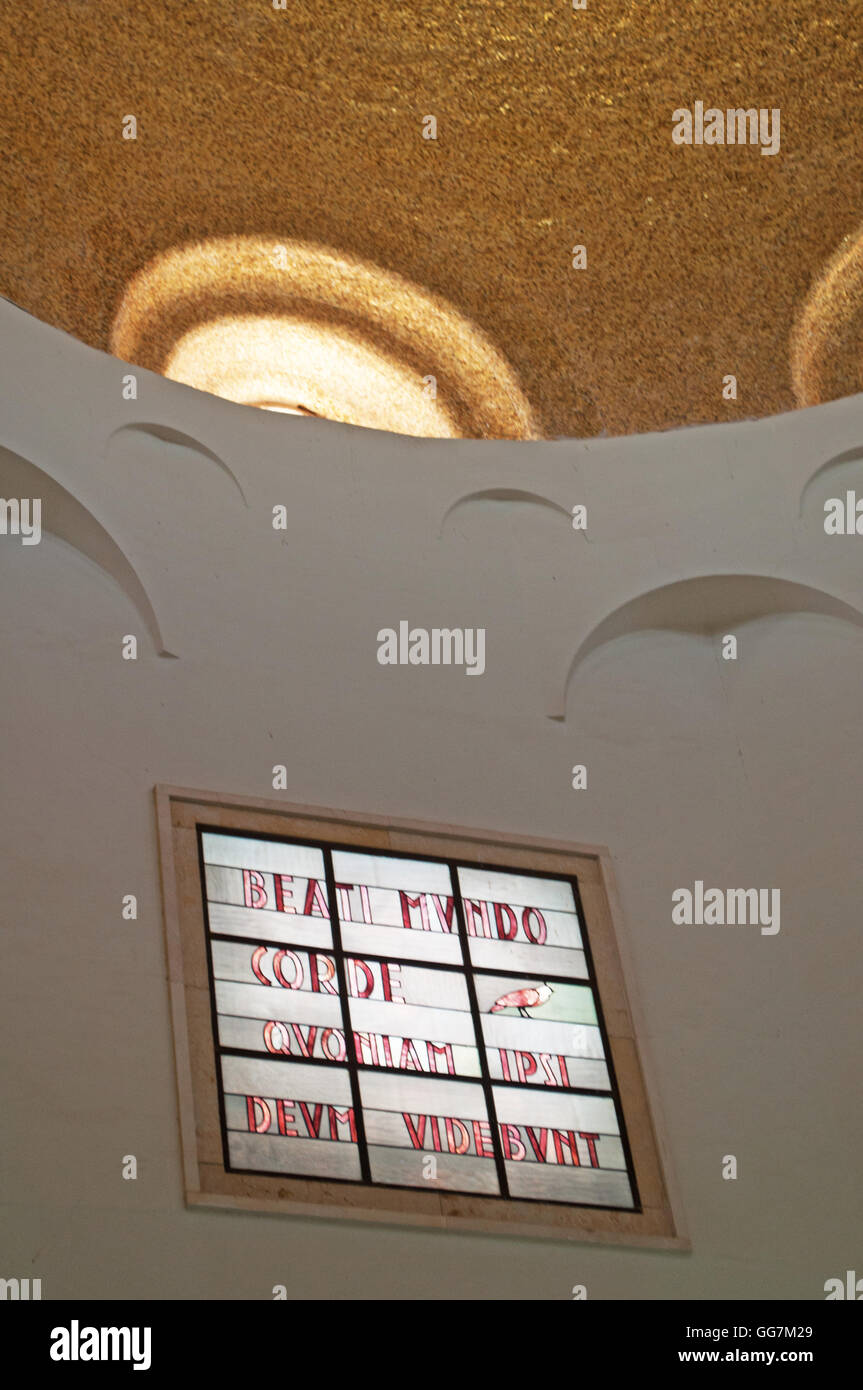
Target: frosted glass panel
column 266, row 889
column 272, row 856
column 415, row 1093
column 385, row 871
column 449, row 1173
column 289, row 1005
column 534, row 1036
column 395, row 941
column 247, row 1076
column 560, row 1147
column 409, row 1120
column 518, row 922
column 581, row 1186
column 428, row 1130
column 271, row 966
column 268, row 926
column 554, row 1109
column 313, row 1158
column 533, row 960
column 518, row 890
column 412, row 899
column 286, row 1118
column 446, row 1024
column 407, row 986
column 412, row 1019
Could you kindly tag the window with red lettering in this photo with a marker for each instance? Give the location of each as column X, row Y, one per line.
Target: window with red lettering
column 404, row 1022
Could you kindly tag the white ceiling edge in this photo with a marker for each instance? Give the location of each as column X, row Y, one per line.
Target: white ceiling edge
column 193, row 520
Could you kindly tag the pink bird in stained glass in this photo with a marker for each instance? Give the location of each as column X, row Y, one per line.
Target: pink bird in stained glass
column 523, row 999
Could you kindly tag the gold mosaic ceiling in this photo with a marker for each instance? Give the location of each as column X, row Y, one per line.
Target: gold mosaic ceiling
column 553, row 129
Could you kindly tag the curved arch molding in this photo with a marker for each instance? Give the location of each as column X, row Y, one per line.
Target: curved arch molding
column 67, row 518
column 517, row 497
column 166, row 434
column 843, row 470
column 704, row 606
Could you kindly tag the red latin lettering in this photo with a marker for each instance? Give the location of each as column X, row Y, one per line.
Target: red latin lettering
column 506, row 933
column 391, row 981
column 354, row 987
column 417, row 1130
column 445, row 1051
column 524, row 1064
column 539, row 1147
column 369, row 1042
column 464, row 1142
column 444, row 915
column 409, row 1061
column 341, row 1050
column 316, row 903
column 342, row 892
column 559, row 1137
column 297, row 981
column 512, row 1146
column 407, row 903
column 545, row 1063
column 274, row 1037
column 311, row 1034
column 364, row 904
column 312, row 1122
column 253, row 1104
column 472, row 911
column 344, row 1117
column 254, row 892
column 482, row 1139
column 281, row 893
column 257, row 956
column 537, row 935
column 321, row 973
column 590, row 1140
column 286, row 1117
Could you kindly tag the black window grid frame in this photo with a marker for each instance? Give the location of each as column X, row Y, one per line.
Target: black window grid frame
column 467, row 969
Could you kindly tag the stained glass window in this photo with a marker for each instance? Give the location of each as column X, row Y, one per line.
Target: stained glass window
column 408, row 1022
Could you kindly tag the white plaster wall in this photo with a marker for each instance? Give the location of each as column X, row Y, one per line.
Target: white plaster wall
column 741, row 774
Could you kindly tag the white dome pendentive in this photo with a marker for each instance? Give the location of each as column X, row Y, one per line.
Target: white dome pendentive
column 703, row 605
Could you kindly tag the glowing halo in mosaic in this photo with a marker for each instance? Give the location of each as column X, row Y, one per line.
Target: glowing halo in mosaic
column 301, row 328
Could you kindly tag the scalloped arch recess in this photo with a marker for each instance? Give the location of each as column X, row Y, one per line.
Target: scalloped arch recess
column 67, row 518
column 166, row 434
column 703, row 606
column 843, row 468
column 297, row 326
column 518, row 497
